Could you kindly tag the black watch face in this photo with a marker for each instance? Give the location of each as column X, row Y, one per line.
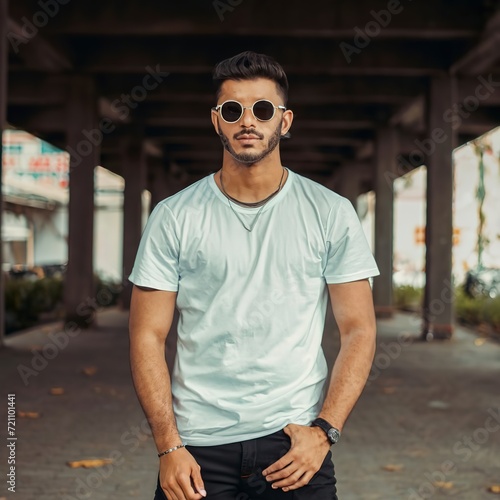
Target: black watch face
column 333, row 435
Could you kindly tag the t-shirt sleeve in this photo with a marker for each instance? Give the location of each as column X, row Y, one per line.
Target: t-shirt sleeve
column 349, row 257
column 157, row 260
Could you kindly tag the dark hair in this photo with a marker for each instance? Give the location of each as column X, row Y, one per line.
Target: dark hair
column 248, row 66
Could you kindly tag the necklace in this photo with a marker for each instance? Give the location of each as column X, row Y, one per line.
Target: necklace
column 254, row 204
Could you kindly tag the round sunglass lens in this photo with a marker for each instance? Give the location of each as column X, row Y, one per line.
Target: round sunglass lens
column 263, row 110
column 231, row 111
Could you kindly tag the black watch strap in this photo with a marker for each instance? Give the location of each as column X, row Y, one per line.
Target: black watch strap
column 332, row 432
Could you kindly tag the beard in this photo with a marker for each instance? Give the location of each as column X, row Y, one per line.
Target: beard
column 250, row 158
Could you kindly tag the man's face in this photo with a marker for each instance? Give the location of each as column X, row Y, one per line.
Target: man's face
column 249, row 140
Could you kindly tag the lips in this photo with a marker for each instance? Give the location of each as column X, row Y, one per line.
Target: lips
column 245, row 137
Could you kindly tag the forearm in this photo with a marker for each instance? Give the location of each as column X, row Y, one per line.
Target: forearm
column 153, row 387
column 349, row 375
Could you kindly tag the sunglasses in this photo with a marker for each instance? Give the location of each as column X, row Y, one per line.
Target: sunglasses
column 232, row 111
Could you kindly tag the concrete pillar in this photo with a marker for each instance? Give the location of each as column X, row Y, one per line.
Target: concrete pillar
column 83, row 146
column 134, row 173
column 386, row 152
column 442, row 139
column 160, row 186
column 349, row 183
column 3, row 120
column 157, row 182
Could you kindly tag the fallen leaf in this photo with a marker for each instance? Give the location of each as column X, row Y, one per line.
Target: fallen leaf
column 393, row 467
column 90, row 370
column 417, row 453
column 479, row 342
column 495, row 488
column 89, row 463
column 27, row 414
column 56, row 391
column 438, row 405
column 389, row 390
column 445, row 485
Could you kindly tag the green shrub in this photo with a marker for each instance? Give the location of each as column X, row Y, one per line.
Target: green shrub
column 26, row 299
column 107, row 291
column 468, row 310
column 492, row 313
column 408, row 298
column 474, row 311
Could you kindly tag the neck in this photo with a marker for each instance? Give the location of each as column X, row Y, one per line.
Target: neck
column 251, row 183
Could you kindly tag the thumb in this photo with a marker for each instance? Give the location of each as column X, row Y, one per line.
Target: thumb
column 198, row 483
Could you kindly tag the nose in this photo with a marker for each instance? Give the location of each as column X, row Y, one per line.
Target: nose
column 247, row 120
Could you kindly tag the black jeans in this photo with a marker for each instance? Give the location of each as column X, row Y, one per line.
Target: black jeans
column 234, row 471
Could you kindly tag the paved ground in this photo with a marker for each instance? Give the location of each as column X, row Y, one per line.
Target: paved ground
column 428, row 414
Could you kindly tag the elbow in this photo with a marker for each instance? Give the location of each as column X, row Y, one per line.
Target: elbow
column 362, row 338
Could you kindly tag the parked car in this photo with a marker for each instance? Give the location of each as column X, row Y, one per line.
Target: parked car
column 482, row 282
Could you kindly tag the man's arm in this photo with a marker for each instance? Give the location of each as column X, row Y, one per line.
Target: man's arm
column 151, row 315
column 352, row 306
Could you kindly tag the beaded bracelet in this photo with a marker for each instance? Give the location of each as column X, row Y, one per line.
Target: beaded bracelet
column 170, row 450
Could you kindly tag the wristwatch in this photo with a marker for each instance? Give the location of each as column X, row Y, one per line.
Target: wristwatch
column 332, row 433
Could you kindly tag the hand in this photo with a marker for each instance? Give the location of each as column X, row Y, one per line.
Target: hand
column 309, row 446
column 180, row 476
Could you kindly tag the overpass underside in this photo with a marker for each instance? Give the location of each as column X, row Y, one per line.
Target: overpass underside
column 377, row 89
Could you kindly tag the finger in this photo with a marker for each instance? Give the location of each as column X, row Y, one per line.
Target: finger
column 288, row 430
column 283, row 473
column 188, row 492
column 289, row 480
column 301, row 482
column 176, row 493
column 180, row 492
column 284, row 461
column 169, row 494
column 198, row 481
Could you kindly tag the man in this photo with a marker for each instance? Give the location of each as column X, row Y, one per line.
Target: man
column 248, row 255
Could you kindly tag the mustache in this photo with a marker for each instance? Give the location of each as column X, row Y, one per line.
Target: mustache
column 248, row 131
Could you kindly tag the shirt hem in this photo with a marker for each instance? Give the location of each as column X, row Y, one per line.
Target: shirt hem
column 216, row 441
column 157, row 285
column 334, row 280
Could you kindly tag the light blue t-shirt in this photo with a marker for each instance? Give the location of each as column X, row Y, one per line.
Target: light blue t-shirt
column 252, row 304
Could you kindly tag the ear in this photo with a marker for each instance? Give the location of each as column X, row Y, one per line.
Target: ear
column 215, row 121
column 286, row 123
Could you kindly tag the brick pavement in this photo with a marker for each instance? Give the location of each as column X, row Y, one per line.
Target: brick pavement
column 423, row 413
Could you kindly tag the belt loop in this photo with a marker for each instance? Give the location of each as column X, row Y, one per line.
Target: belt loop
column 248, row 457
